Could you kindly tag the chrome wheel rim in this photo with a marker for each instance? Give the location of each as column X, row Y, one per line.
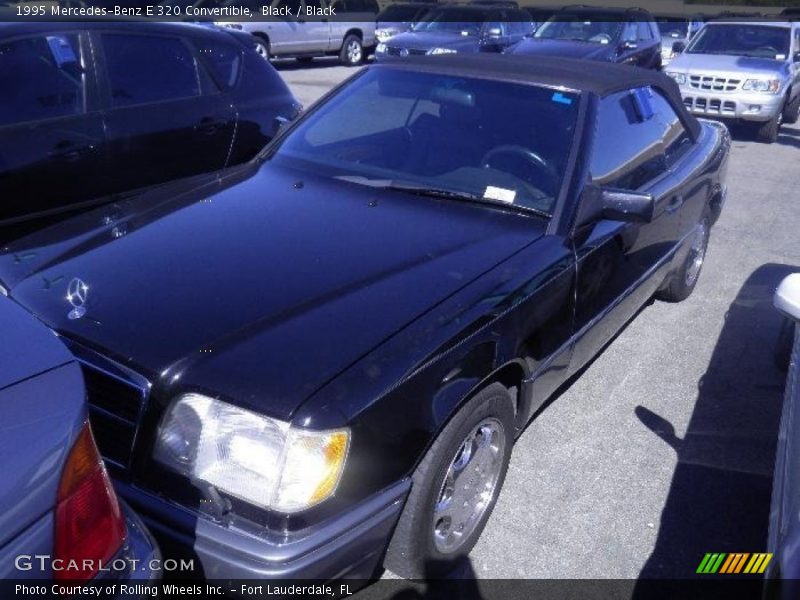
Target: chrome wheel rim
column 697, row 254
column 469, row 486
column 354, row 52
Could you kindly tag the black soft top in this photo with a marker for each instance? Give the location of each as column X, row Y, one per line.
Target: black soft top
column 598, row 78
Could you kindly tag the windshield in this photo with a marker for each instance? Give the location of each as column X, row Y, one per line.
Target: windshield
column 581, row 28
column 673, row 27
column 481, row 140
column 758, row 41
column 460, row 21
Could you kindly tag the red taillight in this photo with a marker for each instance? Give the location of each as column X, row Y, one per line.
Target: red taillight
column 90, row 527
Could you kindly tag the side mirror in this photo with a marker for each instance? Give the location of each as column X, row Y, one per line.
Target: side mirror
column 618, row 205
column 787, row 296
column 678, row 47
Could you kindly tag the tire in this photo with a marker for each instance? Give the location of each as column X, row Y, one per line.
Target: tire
column 791, row 113
column 352, row 52
column 683, row 281
column 426, row 542
column 767, row 133
column 262, row 47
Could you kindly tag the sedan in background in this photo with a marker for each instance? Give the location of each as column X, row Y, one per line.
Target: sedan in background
column 399, row 18
column 459, row 29
column 59, row 515
column 104, row 109
column 626, row 36
column 321, row 360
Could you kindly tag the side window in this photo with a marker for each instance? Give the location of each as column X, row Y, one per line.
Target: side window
column 43, row 78
column 645, row 34
column 145, row 69
column 630, row 33
column 628, row 149
column 224, row 61
column 676, row 140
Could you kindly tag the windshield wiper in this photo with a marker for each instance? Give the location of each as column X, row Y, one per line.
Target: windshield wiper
column 435, row 192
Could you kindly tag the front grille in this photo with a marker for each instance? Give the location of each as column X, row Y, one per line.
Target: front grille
column 395, row 51
column 714, row 84
column 711, row 106
column 114, row 410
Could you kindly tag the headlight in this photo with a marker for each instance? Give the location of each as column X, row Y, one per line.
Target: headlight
column 260, row 460
column 380, row 48
column 680, row 78
column 383, row 34
column 762, row 85
column 435, row 51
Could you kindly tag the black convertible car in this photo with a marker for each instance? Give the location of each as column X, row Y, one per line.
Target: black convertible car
column 324, row 357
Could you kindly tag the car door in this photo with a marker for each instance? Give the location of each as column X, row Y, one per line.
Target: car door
column 52, row 153
column 619, row 263
column 628, row 43
column 649, row 45
column 317, row 29
column 680, row 151
column 165, row 118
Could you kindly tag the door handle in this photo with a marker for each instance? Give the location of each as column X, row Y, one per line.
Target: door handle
column 675, row 203
column 209, row 126
column 68, row 152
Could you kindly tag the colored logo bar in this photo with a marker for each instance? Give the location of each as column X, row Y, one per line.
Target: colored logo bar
column 734, row 563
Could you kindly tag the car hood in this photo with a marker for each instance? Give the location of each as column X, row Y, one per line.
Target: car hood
column 425, row 40
column 563, row 48
column 724, row 65
column 262, row 288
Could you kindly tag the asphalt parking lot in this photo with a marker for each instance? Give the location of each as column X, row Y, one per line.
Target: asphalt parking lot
column 663, row 449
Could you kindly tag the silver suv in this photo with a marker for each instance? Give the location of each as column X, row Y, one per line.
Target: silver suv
column 748, row 71
column 310, row 28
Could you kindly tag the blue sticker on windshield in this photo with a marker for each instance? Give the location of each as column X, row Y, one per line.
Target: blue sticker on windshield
column 561, row 98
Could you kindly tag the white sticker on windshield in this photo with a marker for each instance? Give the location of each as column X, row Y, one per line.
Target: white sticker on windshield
column 780, row 57
column 499, row 194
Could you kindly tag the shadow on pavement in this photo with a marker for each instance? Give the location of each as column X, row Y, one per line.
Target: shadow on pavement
column 720, row 492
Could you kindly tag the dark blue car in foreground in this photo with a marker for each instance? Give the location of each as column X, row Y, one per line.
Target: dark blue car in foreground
column 59, row 516
column 317, row 364
column 783, row 573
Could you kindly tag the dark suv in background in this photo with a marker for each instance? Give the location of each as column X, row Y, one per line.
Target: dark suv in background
column 90, row 110
column 627, row 36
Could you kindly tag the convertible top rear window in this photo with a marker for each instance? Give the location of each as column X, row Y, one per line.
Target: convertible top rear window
column 497, row 141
